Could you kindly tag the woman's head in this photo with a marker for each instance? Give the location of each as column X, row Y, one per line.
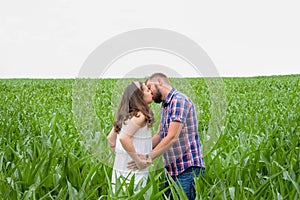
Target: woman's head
column 147, row 96
column 136, row 98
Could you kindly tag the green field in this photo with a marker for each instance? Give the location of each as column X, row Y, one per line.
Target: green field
column 45, row 155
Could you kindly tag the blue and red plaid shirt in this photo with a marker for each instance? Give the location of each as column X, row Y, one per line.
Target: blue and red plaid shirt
column 187, row 150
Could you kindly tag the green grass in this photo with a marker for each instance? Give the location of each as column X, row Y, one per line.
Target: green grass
column 43, row 154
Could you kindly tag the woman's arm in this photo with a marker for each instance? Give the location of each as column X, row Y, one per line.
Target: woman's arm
column 111, row 138
column 133, row 125
column 162, row 146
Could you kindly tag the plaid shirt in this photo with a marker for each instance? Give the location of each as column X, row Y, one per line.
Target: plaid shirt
column 187, row 150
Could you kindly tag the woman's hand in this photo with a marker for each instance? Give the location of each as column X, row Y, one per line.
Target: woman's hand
column 140, row 164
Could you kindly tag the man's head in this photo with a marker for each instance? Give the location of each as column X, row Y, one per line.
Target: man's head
column 159, row 86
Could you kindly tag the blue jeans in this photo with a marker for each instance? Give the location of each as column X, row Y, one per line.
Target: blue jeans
column 186, row 181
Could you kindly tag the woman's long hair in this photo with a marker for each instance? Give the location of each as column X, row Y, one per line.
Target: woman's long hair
column 131, row 103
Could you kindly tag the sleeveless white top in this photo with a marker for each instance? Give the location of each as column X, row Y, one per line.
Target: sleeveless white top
column 142, row 142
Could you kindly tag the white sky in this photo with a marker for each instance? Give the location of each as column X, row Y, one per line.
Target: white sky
column 52, row 39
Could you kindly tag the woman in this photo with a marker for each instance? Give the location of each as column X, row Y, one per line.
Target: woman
column 131, row 134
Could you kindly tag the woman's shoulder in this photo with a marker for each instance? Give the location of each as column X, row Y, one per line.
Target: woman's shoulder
column 139, row 119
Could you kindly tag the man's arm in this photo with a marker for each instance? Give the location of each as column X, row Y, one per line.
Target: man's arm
column 173, row 134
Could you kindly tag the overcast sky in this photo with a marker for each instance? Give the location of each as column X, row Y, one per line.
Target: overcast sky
column 52, row 39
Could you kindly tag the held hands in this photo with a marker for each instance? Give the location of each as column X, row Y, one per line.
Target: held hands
column 140, row 164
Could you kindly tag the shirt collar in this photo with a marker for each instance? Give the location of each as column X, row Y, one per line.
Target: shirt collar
column 169, row 97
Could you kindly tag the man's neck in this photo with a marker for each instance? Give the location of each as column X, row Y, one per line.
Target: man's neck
column 166, row 90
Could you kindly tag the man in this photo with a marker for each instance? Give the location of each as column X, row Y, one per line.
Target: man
column 177, row 138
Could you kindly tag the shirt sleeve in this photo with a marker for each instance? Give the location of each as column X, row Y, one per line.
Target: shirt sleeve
column 179, row 109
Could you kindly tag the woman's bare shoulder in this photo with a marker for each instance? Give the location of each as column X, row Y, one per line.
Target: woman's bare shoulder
column 139, row 119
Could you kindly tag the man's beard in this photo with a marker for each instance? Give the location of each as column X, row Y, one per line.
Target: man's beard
column 157, row 96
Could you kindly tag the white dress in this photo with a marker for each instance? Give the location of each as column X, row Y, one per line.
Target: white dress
column 142, row 142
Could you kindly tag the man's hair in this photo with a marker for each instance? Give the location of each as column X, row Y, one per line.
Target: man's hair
column 157, row 75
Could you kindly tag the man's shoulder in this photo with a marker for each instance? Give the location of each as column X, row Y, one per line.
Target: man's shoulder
column 180, row 96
